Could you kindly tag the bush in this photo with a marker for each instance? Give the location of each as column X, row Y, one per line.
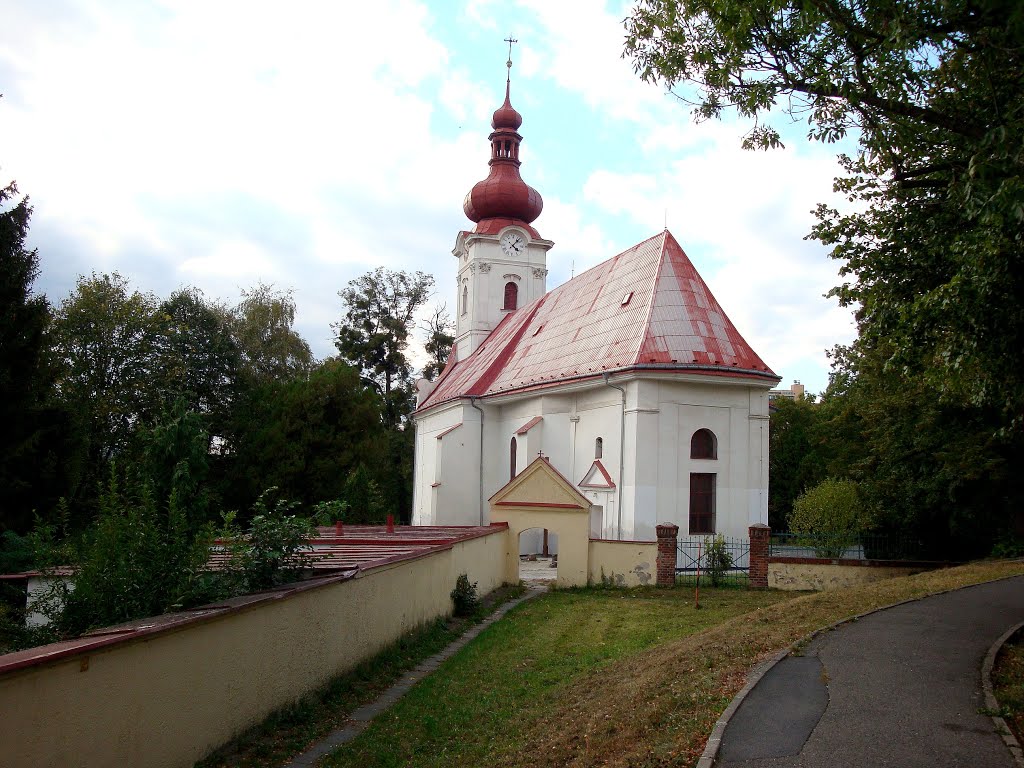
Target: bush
column 464, row 596
column 275, row 550
column 717, row 559
column 830, row 517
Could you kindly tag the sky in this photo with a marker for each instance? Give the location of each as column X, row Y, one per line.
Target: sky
column 221, row 143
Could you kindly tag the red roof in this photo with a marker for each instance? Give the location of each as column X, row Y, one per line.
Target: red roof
column 645, row 309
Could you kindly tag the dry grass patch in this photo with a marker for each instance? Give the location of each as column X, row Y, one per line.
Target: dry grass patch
column 658, row 708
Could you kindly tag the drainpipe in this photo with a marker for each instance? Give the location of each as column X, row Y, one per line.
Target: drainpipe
column 622, row 450
column 472, row 402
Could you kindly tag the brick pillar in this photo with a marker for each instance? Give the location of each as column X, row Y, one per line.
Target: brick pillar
column 759, row 536
column 668, row 542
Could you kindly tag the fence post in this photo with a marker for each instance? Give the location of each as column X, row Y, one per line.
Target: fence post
column 759, row 538
column 668, row 542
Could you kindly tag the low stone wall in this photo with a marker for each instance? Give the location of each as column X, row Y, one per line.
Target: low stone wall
column 819, row 574
column 622, row 563
column 165, row 692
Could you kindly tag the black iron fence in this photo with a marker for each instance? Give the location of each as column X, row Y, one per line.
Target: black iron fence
column 719, row 561
column 865, row 546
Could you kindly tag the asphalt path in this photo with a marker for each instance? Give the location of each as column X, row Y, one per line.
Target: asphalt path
column 901, row 687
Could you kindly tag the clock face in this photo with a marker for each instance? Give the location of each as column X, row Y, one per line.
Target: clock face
column 513, row 244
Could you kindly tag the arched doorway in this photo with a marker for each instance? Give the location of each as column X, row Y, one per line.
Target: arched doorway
column 538, row 556
column 539, row 499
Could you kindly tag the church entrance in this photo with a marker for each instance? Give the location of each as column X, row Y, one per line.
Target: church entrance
column 538, row 556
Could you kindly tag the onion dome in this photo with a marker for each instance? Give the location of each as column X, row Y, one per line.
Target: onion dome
column 503, row 195
column 505, row 117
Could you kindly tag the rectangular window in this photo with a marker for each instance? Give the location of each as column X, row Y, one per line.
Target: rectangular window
column 702, row 502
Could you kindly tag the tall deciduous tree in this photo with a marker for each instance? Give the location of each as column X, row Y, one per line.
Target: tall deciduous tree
column 933, row 90
column 380, row 314
column 304, row 436
column 103, row 343
column 270, row 348
column 196, row 357
column 440, row 332
column 931, row 395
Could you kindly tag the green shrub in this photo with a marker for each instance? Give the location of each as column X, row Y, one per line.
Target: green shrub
column 830, row 517
column 275, row 550
column 464, row 596
column 717, row 559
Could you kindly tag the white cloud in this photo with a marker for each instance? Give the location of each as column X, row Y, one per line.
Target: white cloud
column 220, row 143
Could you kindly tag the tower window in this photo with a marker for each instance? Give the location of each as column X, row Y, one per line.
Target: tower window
column 512, row 460
column 598, row 448
column 703, row 445
column 511, row 296
column 465, row 298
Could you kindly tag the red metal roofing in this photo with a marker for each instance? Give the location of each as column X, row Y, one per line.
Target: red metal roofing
column 529, row 425
column 586, row 327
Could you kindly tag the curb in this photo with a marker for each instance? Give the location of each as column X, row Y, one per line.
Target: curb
column 714, row 742
column 990, row 698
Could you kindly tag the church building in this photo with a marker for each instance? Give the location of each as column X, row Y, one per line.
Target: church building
column 629, row 379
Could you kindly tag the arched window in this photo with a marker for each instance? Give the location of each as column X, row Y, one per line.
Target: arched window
column 511, row 296
column 512, row 460
column 598, row 448
column 465, row 298
column 703, row 445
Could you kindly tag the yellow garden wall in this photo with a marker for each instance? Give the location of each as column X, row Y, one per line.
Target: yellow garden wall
column 623, row 563
column 167, row 698
column 825, row 576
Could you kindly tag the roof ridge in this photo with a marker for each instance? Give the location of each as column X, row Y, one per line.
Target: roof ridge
column 642, row 337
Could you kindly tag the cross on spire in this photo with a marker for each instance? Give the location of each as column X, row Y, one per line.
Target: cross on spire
column 510, row 40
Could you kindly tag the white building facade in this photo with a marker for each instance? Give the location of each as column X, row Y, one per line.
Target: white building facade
column 629, row 378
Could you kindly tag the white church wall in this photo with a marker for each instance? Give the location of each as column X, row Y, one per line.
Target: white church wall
column 445, row 490
column 661, row 416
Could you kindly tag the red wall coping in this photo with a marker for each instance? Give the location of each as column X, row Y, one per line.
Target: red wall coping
column 174, row 622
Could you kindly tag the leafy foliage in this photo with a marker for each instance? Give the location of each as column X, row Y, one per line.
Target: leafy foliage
column 303, row 435
column 263, row 329
column 275, row 550
column 926, row 408
column 440, row 331
column 831, row 515
column 717, row 559
column 380, row 313
column 36, row 438
column 464, row 596
column 135, row 562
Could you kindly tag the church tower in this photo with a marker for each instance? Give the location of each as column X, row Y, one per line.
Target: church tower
column 503, row 261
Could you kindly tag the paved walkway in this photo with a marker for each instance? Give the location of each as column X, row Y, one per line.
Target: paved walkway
column 361, row 717
column 901, row 687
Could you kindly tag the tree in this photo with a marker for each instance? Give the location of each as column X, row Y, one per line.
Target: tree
column 927, row 406
column 440, row 331
column 34, row 436
column 795, row 464
column 103, row 344
column 263, row 330
column 197, row 358
column 380, row 313
column 933, row 90
column 304, row 436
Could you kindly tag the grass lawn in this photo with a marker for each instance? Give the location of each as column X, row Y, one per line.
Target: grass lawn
column 612, row 678
column 1008, row 683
